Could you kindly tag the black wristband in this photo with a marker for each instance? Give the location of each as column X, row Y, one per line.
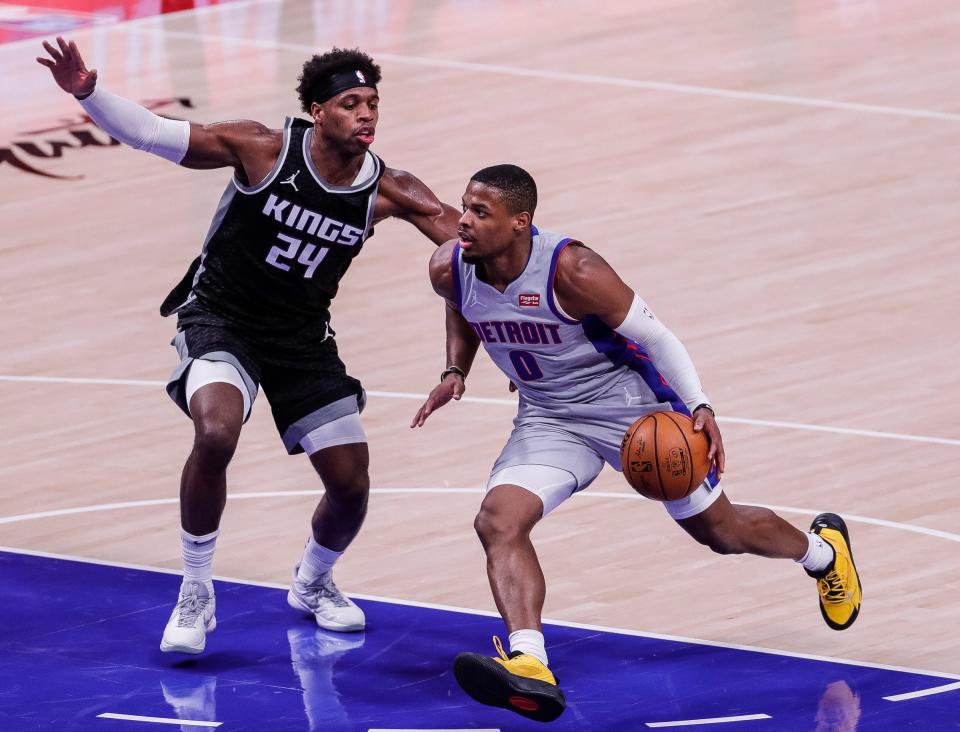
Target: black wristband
column 452, row 370
column 704, row 406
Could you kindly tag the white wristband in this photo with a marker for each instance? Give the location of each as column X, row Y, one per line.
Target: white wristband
column 137, row 126
column 665, row 351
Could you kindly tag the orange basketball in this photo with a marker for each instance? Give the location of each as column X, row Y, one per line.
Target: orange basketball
column 663, row 458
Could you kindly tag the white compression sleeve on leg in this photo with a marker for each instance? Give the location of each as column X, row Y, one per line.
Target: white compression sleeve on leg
column 137, row 126
column 203, row 372
column 665, row 350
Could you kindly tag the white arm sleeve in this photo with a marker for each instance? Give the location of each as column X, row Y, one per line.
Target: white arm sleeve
column 665, row 350
column 137, row 126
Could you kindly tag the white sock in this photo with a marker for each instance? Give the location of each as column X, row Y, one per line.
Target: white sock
column 197, row 555
column 530, row 642
column 819, row 554
column 317, row 560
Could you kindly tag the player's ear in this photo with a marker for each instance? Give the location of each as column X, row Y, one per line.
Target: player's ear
column 521, row 221
column 316, row 111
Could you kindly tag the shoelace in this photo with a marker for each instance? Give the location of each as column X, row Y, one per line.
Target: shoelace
column 503, row 655
column 833, row 589
column 499, row 646
column 190, row 607
column 323, row 587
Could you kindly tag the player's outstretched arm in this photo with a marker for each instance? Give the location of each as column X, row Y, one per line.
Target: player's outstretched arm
column 587, row 285
column 406, row 197
column 233, row 144
column 462, row 341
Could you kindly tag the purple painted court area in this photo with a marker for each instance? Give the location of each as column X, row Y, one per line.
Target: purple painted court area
column 78, row 640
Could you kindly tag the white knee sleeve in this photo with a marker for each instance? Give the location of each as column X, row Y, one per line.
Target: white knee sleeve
column 697, row 502
column 552, row 485
column 340, row 431
column 209, row 372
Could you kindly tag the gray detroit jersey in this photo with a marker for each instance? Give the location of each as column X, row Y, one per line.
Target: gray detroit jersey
column 581, row 383
column 556, row 362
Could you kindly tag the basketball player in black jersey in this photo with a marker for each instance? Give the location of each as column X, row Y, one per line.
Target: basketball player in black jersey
column 253, row 310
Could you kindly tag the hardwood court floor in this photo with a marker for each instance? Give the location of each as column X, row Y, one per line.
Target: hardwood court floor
column 778, row 180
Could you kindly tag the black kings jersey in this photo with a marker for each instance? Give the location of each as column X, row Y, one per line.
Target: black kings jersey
column 275, row 253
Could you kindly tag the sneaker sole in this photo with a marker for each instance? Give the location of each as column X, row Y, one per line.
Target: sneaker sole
column 294, row 602
column 835, row 522
column 487, row 682
column 192, row 650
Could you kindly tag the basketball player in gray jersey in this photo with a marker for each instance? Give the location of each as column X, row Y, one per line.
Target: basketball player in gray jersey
column 588, row 357
column 254, row 308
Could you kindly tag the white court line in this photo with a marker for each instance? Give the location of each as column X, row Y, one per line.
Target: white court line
column 854, row 518
column 710, row 720
column 52, row 513
column 491, row 614
column 158, row 720
column 923, row 692
column 233, row 496
column 598, row 79
column 420, row 397
column 81, row 380
column 688, row 89
column 513, row 403
column 132, row 23
column 840, row 430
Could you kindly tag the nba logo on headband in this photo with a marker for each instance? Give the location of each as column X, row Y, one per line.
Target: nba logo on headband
column 338, row 83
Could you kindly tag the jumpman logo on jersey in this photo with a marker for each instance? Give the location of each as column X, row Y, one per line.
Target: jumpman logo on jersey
column 291, row 181
column 475, row 301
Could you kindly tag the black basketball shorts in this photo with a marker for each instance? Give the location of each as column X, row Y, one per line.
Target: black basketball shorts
column 305, row 381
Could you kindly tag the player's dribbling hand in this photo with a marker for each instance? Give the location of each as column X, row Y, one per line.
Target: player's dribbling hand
column 451, row 387
column 705, row 421
column 68, row 69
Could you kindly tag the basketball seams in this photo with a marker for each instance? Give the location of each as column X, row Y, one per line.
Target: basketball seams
column 686, row 442
column 630, row 447
column 656, row 455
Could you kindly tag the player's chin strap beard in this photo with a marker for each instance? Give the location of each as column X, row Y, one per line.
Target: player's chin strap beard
column 328, row 87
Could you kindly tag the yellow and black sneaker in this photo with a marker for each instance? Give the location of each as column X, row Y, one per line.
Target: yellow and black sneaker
column 838, row 584
column 517, row 682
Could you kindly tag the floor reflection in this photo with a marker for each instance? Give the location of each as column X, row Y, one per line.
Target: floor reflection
column 314, row 653
column 839, row 709
column 192, row 698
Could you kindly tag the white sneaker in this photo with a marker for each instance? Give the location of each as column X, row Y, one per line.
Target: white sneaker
column 191, row 620
column 332, row 609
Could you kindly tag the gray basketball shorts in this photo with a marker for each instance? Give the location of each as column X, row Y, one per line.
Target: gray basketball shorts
column 579, row 439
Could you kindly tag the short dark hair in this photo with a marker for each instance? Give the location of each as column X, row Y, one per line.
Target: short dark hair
column 517, row 186
column 320, row 67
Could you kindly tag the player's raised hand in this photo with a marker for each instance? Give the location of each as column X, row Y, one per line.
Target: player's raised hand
column 69, row 71
column 451, row 387
column 705, row 421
